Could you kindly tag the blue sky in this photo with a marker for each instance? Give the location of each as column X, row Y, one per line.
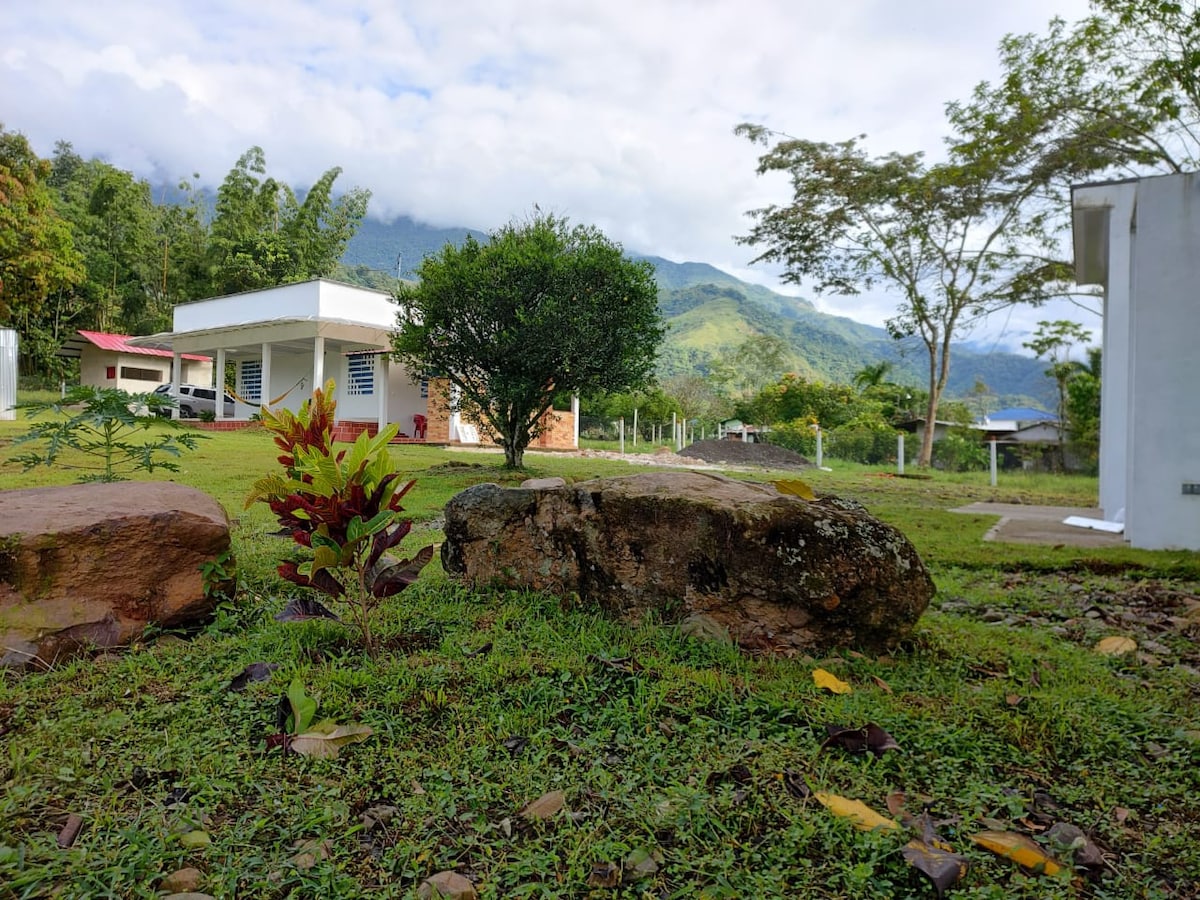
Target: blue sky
column 617, row 114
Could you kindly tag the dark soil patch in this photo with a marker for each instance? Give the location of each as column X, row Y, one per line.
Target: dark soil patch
column 741, row 453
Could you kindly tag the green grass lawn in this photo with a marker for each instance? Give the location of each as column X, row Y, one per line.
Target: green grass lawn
column 688, row 753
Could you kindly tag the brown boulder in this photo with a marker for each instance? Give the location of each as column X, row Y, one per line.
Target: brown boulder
column 778, row 572
column 92, row 565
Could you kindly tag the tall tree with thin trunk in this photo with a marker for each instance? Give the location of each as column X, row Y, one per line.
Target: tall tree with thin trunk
column 953, row 241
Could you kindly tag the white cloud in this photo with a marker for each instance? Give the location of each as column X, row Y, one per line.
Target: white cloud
column 617, row 114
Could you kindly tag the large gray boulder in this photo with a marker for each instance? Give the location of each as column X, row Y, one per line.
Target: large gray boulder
column 778, row 572
column 92, row 565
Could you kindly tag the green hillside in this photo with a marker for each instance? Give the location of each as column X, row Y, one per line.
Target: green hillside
column 710, row 312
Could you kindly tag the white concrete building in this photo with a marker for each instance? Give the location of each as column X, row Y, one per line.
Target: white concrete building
column 1140, row 240
column 284, row 341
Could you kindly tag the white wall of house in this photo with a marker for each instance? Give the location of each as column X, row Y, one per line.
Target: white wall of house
column 1139, row 239
column 307, row 300
column 404, row 399
column 135, row 372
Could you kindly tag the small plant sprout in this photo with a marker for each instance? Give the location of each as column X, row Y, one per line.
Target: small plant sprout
column 343, row 506
column 99, row 424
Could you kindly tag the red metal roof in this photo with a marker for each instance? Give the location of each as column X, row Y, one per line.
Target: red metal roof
column 118, row 343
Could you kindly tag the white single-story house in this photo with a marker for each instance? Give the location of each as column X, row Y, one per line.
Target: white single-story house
column 1022, row 425
column 110, row 360
column 1138, row 239
column 284, row 341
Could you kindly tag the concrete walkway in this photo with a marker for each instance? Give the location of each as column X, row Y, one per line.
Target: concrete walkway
column 1022, row 524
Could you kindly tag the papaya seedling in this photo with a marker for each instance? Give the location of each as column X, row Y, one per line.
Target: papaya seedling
column 99, row 424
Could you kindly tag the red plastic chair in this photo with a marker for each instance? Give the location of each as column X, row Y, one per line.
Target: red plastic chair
column 419, row 423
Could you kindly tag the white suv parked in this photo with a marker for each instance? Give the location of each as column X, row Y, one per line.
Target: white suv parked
column 194, row 400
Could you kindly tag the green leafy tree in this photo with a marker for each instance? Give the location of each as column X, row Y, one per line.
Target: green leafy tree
column 1083, row 410
column 698, row 398
column 262, row 235
column 751, row 366
column 541, row 308
column 954, row 241
column 99, row 425
column 1053, row 341
column 38, row 258
column 1117, row 91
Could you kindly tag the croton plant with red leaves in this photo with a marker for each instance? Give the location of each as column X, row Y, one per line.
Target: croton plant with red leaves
column 343, row 505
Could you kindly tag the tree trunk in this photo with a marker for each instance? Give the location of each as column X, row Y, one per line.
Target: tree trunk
column 514, row 456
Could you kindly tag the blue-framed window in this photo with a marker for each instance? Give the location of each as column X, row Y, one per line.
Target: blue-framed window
column 360, row 374
column 250, row 380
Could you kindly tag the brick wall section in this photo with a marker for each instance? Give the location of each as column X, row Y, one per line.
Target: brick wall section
column 437, row 425
column 559, row 436
column 348, row 430
column 561, row 433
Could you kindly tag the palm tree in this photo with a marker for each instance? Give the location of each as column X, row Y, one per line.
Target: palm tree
column 872, row 375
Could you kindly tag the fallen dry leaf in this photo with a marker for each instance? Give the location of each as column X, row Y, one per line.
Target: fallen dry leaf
column 860, row 815
column 1115, row 645
column 830, row 682
column 326, row 738
column 544, row 806
column 449, row 885
column 309, row 853
column 860, row 740
column 641, row 863
column 70, row 831
column 1020, row 849
column 881, row 684
column 936, row 863
column 604, row 875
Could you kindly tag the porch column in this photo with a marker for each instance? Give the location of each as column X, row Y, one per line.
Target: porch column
column 381, row 385
column 265, row 392
column 318, row 362
column 176, row 379
column 221, row 384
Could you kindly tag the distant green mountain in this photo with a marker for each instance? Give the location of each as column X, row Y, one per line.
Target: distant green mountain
column 710, row 312
column 403, row 242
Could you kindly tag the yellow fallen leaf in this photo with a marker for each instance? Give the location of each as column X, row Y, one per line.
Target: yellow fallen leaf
column 1020, row 849
column 830, row 682
column 1115, row 645
column 795, row 488
column 860, row 815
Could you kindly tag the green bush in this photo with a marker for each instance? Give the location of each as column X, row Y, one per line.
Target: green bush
column 866, row 444
column 958, row 452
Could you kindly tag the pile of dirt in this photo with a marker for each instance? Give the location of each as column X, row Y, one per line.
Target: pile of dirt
column 742, row 453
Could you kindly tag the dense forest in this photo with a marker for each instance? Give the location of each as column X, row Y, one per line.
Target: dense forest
column 86, row 245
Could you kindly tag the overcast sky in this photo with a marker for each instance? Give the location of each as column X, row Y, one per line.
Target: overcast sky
column 618, row 114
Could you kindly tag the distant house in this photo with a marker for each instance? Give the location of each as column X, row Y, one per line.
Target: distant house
column 737, row 430
column 284, row 341
column 1026, row 438
column 109, row 360
column 916, row 427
